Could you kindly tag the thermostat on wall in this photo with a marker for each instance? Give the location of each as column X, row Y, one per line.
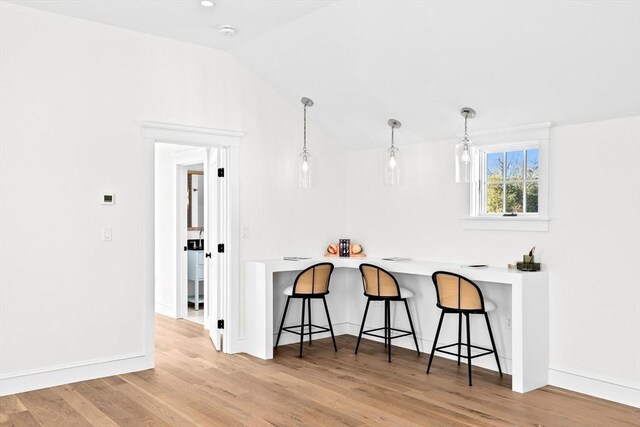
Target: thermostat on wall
column 108, row 198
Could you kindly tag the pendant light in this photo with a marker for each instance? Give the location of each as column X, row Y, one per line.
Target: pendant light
column 463, row 153
column 304, row 159
column 392, row 158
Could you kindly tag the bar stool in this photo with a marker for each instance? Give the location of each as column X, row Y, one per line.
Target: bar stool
column 380, row 285
column 311, row 283
column 458, row 295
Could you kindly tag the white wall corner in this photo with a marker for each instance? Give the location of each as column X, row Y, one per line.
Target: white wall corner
column 166, row 310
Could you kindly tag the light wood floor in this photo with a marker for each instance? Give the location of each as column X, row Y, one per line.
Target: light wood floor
column 194, row 385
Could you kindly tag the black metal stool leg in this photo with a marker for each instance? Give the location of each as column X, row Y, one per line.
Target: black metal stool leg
column 493, row 343
column 326, row 309
column 459, row 336
column 415, row 339
column 286, row 306
column 386, row 326
column 302, row 326
column 388, row 304
column 435, row 342
column 364, row 318
column 309, row 305
column 468, row 346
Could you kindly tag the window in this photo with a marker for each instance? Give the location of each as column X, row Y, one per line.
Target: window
column 509, row 180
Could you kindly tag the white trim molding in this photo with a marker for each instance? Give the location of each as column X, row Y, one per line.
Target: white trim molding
column 604, row 388
column 70, row 373
column 166, row 310
column 191, row 135
column 155, row 132
column 516, row 223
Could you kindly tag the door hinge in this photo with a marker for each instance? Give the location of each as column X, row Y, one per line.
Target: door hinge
column 221, row 248
column 185, row 249
column 221, row 324
column 207, row 255
column 220, row 172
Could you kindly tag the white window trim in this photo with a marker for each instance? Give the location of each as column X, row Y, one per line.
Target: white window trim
column 530, row 135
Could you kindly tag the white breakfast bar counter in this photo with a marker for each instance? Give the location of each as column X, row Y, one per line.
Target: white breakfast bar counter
column 528, row 343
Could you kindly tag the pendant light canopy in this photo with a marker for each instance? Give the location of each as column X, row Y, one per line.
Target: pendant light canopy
column 463, row 151
column 304, row 158
column 392, row 161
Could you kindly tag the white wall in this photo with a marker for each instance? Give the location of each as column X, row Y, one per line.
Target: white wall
column 592, row 248
column 73, row 96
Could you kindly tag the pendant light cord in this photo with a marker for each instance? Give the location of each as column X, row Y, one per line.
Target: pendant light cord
column 392, row 141
column 304, row 148
column 466, row 134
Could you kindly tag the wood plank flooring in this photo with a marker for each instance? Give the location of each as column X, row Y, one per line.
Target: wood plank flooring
column 195, row 385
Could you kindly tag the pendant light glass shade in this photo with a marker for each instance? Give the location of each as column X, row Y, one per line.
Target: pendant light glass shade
column 464, row 151
column 305, row 166
column 463, row 163
column 392, row 161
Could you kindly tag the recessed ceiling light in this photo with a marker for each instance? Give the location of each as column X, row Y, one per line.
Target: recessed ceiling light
column 227, row 30
column 207, row 3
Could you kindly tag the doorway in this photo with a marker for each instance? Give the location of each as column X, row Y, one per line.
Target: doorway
column 217, row 238
column 180, row 198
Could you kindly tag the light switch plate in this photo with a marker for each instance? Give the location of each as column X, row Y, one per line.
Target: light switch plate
column 107, row 234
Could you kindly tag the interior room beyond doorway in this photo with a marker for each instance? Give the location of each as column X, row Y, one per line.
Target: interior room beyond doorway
column 179, row 231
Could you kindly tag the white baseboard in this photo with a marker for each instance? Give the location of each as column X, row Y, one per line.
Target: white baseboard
column 607, row 389
column 58, row 375
column 166, row 310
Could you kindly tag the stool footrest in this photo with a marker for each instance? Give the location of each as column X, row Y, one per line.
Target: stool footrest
column 487, row 350
column 403, row 333
column 296, row 329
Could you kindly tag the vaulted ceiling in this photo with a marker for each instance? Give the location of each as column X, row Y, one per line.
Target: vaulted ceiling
column 363, row 62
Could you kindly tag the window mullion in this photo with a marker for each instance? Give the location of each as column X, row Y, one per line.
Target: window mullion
column 482, row 187
column 524, row 183
column 504, row 182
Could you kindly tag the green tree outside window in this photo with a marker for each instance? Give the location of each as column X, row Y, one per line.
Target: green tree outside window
column 512, row 182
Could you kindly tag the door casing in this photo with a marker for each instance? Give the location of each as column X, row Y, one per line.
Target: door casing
column 229, row 209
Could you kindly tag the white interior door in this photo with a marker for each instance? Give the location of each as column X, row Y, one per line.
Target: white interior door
column 212, row 288
column 223, row 224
